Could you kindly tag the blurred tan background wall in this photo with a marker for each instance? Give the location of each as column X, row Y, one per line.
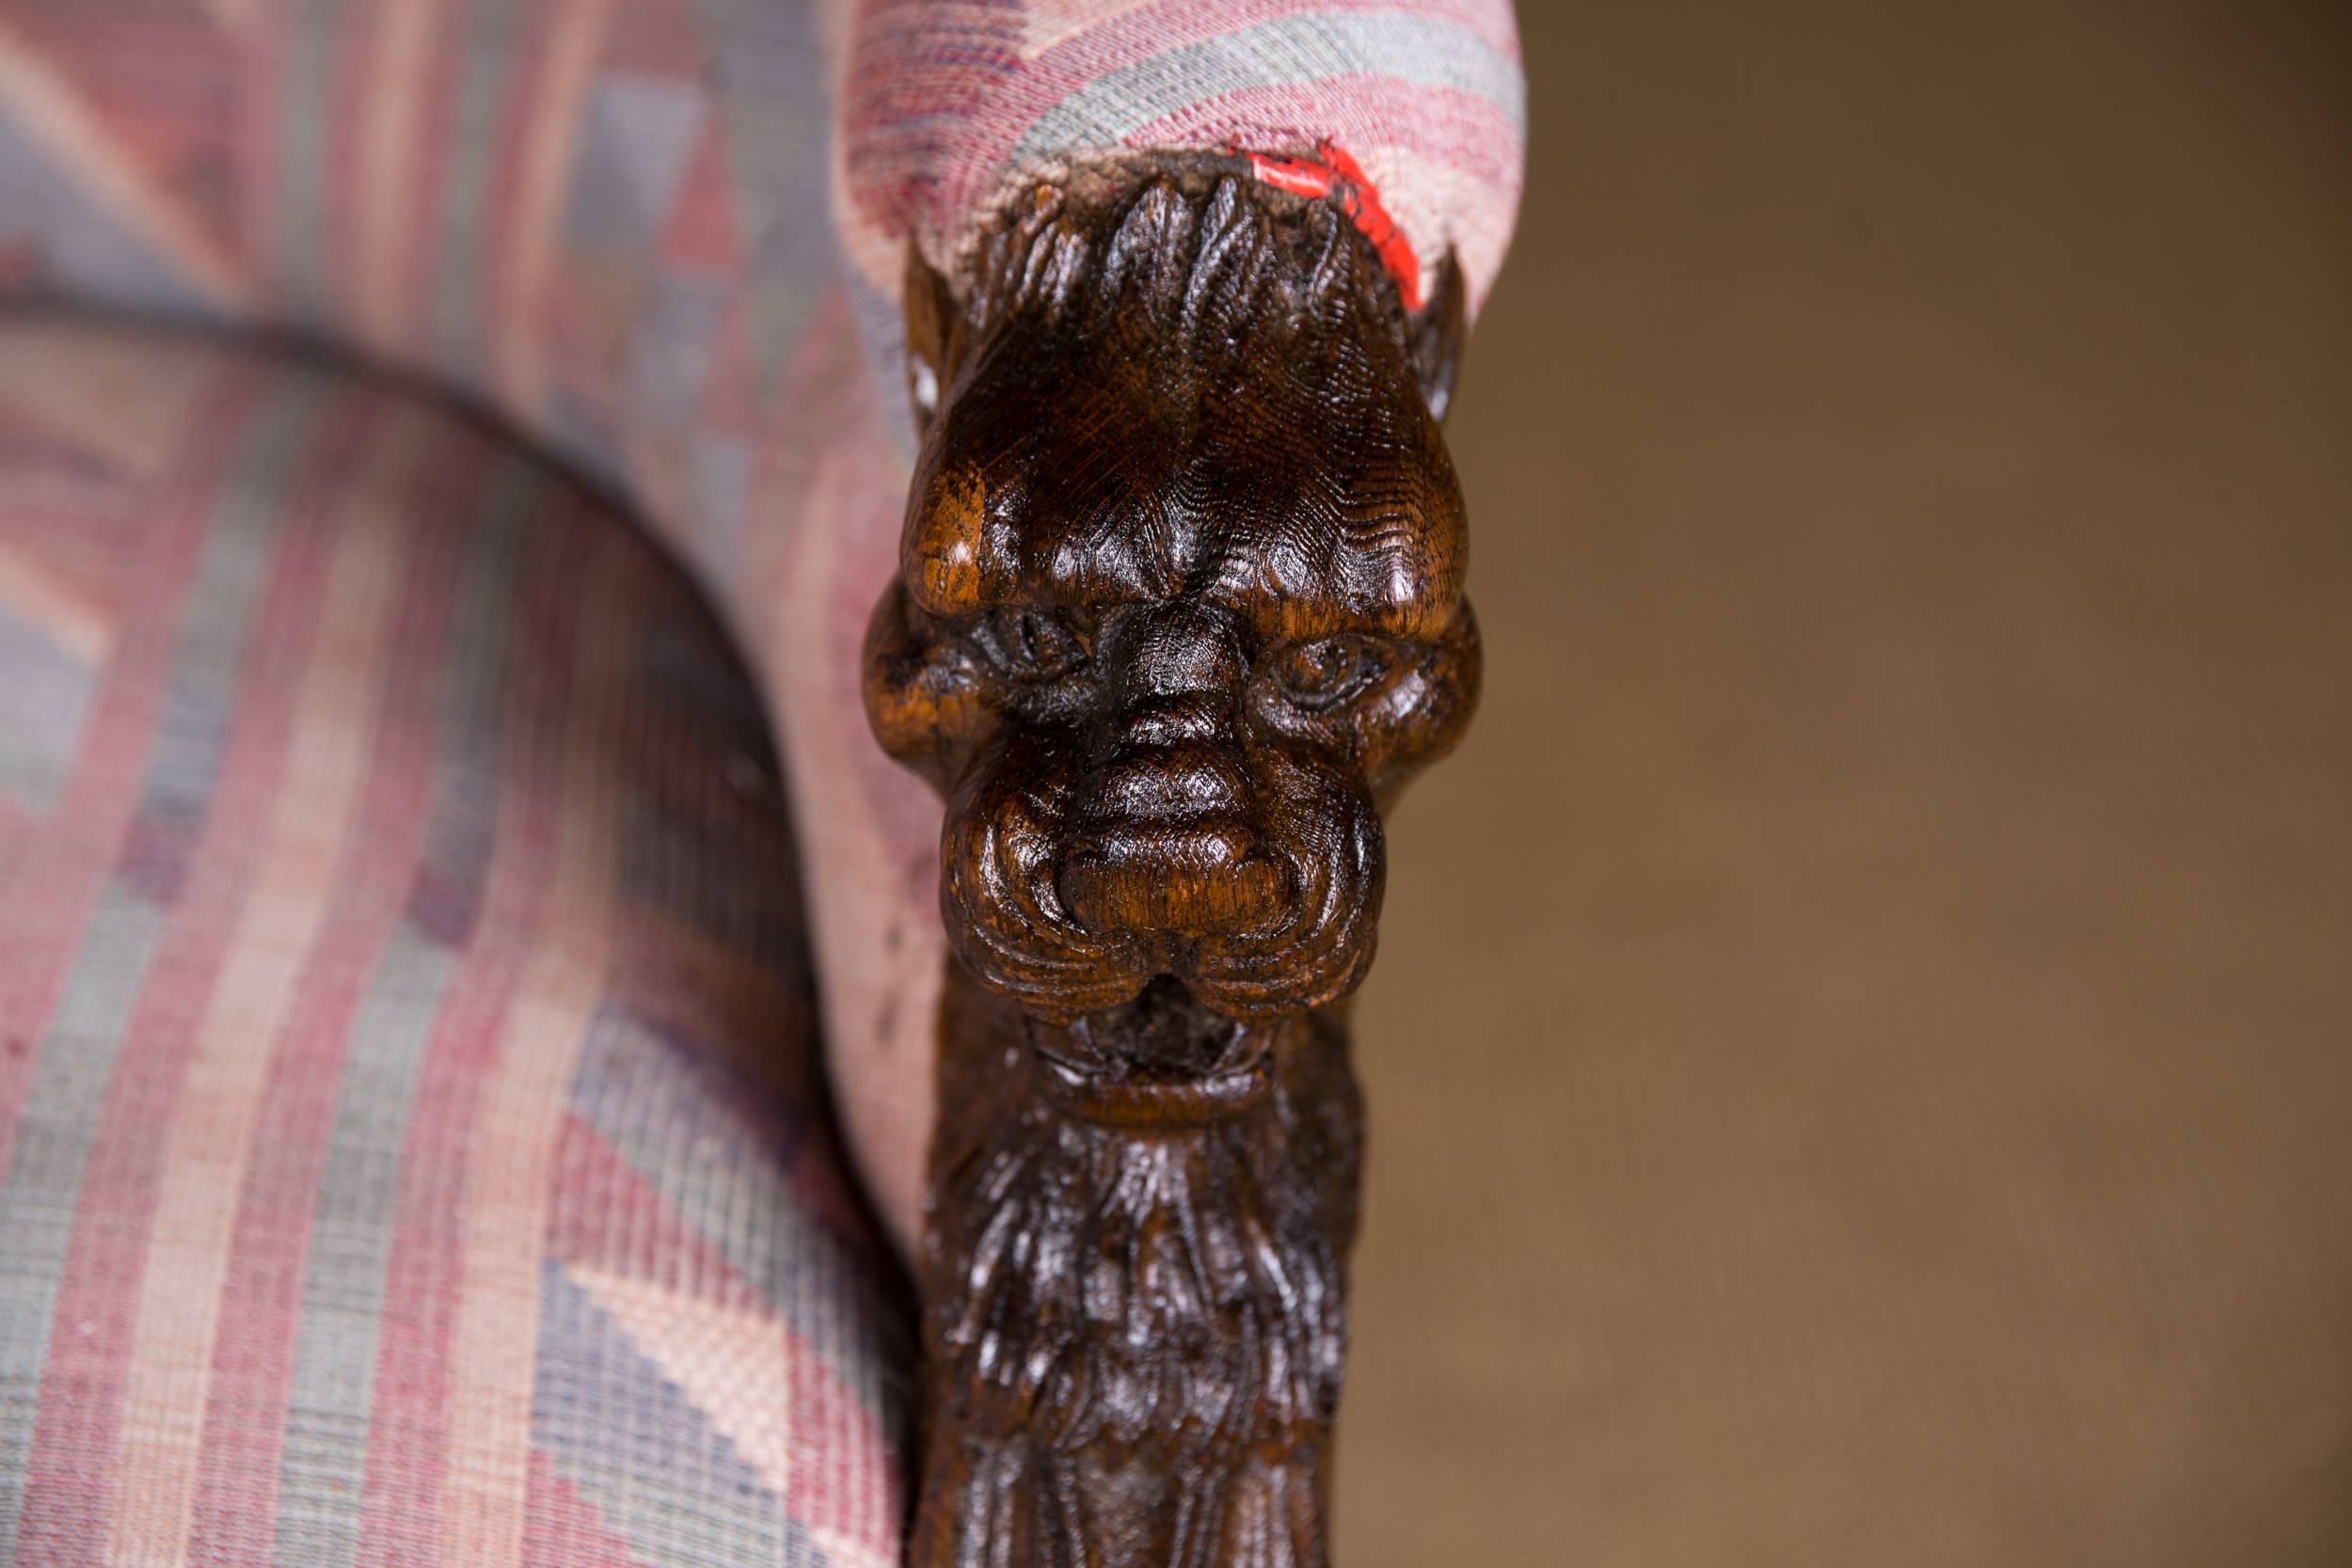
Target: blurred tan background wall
column 1862, row 1056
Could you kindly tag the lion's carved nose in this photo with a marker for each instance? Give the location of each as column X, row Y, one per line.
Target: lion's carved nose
column 1199, row 881
column 1164, row 840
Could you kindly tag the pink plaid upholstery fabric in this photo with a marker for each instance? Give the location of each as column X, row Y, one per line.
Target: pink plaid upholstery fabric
column 410, row 1146
column 411, row 1143
column 948, row 105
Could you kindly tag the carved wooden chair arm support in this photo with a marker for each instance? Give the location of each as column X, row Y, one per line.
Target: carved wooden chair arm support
column 1180, row 607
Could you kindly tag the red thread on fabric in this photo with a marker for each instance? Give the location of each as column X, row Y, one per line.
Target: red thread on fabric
column 1358, row 198
column 1294, row 175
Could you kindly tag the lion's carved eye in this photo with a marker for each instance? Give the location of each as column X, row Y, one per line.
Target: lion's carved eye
column 1330, row 671
column 1030, row 646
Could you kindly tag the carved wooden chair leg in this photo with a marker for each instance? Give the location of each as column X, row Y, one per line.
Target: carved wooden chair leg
column 1180, row 608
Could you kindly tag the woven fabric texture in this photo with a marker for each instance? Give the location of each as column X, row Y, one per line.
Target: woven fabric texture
column 949, row 104
column 412, row 1147
column 607, row 221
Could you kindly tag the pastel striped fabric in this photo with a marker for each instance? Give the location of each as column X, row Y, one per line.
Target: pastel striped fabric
column 951, row 103
column 607, row 221
column 412, row 1147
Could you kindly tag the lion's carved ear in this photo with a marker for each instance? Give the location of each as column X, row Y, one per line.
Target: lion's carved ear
column 931, row 316
column 1437, row 334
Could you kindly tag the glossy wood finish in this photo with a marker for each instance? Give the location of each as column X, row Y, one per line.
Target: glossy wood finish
column 1180, row 610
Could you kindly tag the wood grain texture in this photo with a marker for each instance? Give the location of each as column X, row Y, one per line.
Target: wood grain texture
column 1180, row 608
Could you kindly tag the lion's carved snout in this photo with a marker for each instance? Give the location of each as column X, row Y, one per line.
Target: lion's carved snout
column 1152, row 894
column 1168, row 835
column 1165, row 842
column 1208, row 850
column 1161, row 789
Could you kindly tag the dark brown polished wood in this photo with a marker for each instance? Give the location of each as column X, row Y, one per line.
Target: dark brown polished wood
column 1180, row 610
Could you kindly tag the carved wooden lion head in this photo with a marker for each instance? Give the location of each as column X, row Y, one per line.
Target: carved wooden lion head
column 1181, row 593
